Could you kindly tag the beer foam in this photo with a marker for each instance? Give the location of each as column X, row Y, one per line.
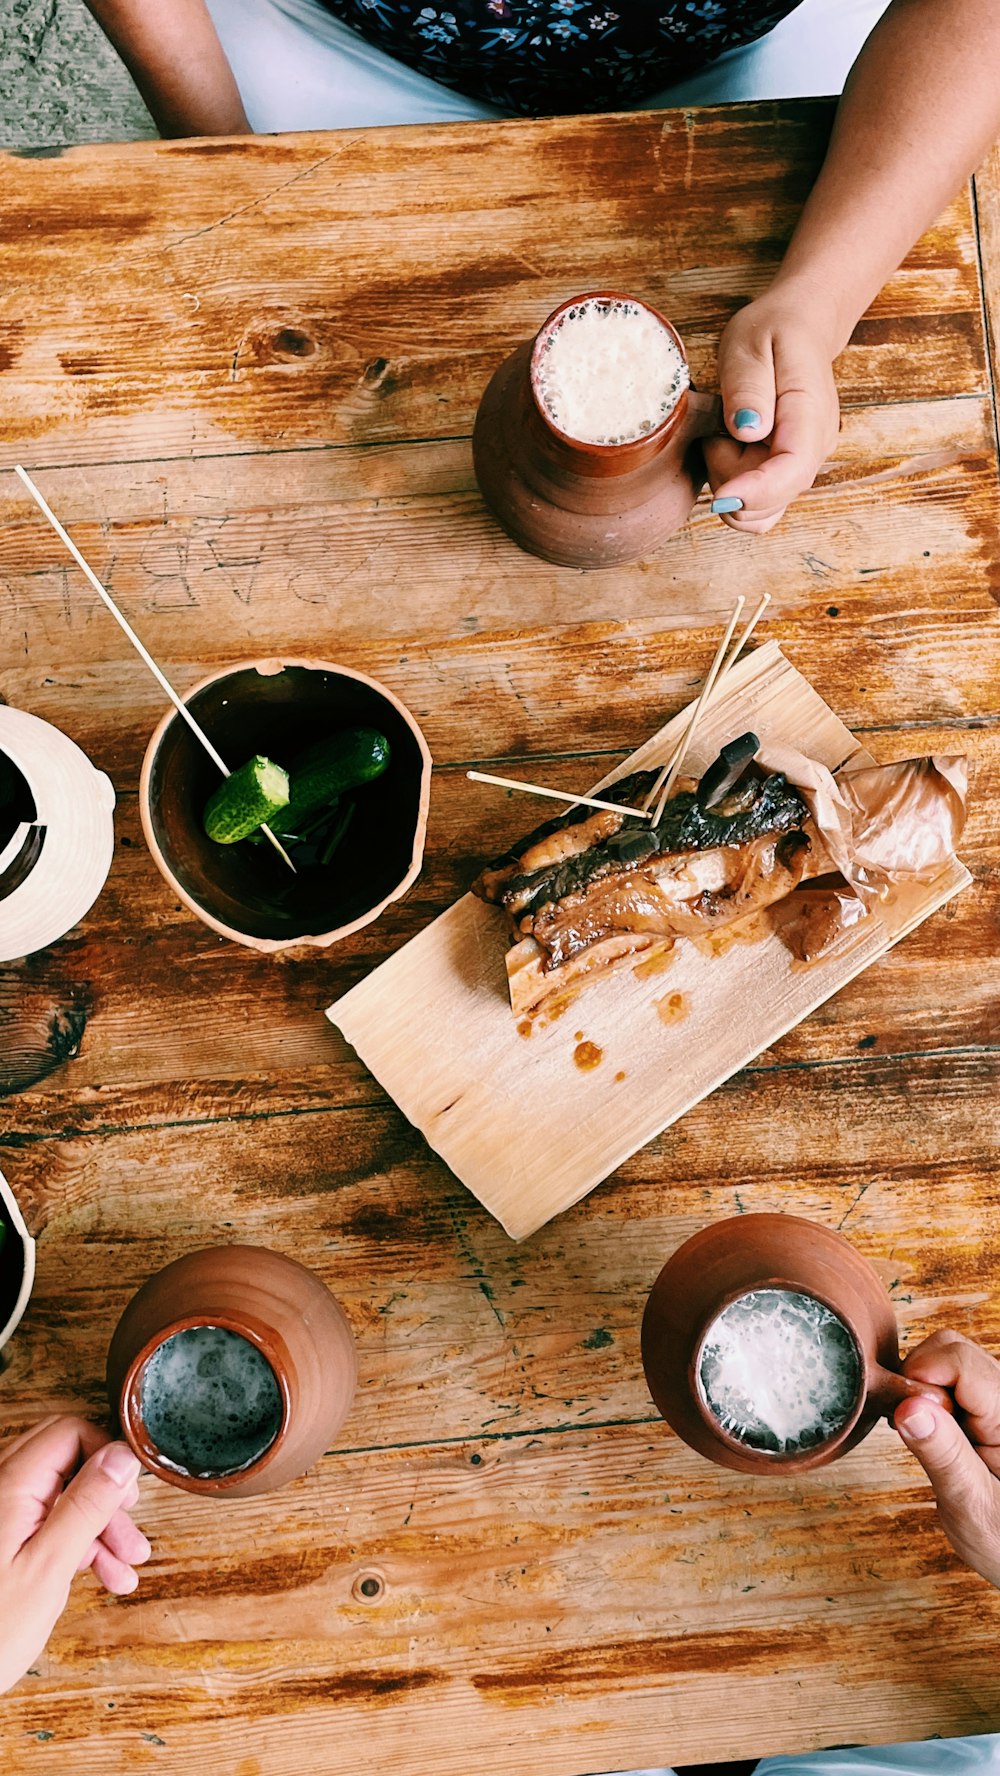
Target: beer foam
column 608, row 371
column 779, row 1371
column 210, row 1401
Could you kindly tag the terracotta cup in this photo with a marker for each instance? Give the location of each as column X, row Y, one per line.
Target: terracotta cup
column 279, row 707
column 727, row 1260
column 277, row 1305
column 578, row 504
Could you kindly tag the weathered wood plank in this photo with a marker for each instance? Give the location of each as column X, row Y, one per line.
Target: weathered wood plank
column 564, row 1586
column 899, row 1151
column 532, row 1583
column 490, row 1577
column 882, row 582
column 219, row 1031
column 363, row 285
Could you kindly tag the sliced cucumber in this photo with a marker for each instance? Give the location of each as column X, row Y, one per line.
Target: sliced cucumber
column 325, row 771
column 247, row 799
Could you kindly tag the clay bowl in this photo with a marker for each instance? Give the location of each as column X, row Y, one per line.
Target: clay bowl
column 276, row 1304
column 278, row 708
column 721, row 1263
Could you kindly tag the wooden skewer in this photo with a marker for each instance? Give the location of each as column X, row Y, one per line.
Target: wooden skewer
column 682, row 744
column 706, row 692
column 164, row 683
column 741, row 640
column 557, row 795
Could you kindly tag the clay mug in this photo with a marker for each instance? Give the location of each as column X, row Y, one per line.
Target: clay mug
column 751, row 1252
column 582, row 504
column 278, row 1306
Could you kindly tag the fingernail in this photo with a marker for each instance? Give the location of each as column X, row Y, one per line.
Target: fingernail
column 727, row 505
column 120, row 1465
column 918, row 1424
column 746, row 419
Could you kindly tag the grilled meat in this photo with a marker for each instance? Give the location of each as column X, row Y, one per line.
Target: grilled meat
column 593, row 888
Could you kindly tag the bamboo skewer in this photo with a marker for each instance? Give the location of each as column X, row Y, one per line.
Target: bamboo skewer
column 557, row 795
column 681, row 747
column 164, row 683
column 706, row 692
column 668, row 774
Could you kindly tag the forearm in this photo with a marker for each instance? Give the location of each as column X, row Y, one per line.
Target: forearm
column 918, row 115
column 173, row 54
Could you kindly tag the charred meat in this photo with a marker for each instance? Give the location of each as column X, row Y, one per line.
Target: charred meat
column 594, row 888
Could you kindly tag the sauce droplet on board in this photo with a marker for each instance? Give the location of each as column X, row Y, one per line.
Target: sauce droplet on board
column 672, row 1008
column 751, row 929
column 557, row 1008
column 587, row 1055
column 655, row 963
column 524, row 1027
column 619, row 1077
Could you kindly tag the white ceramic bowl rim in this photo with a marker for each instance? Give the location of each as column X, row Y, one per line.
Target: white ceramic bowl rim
column 16, row 1220
column 75, row 803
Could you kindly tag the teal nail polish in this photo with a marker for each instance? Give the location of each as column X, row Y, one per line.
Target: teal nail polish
column 727, row 505
column 746, row 419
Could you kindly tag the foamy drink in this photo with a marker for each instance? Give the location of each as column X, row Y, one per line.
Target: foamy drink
column 608, row 371
column 210, row 1401
column 779, row 1371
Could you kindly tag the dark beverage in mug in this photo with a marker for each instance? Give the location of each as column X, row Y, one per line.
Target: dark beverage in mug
column 210, row 1401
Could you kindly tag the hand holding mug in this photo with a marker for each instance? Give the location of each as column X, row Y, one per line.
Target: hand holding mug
column 960, row 1455
column 65, row 1494
column 782, row 415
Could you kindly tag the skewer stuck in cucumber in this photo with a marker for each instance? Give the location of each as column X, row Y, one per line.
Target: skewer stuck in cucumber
column 310, row 813
column 245, row 800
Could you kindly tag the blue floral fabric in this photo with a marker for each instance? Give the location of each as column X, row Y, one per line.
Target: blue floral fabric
column 541, row 57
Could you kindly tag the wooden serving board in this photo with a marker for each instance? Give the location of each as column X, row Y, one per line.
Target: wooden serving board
column 523, row 1125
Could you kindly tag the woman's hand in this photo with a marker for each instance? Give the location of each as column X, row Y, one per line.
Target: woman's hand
column 780, row 405
column 960, row 1456
column 65, row 1492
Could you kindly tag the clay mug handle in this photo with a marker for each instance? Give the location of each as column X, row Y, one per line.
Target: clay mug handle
column 704, row 417
column 888, row 1388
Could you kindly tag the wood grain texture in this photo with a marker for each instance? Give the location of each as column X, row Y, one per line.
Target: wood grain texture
column 334, row 288
column 246, row 374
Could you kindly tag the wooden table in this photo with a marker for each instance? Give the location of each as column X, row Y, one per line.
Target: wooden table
column 246, row 375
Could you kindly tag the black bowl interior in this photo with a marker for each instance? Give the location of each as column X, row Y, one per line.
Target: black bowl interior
column 17, row 804
column 11, row 1267
column 248, row 887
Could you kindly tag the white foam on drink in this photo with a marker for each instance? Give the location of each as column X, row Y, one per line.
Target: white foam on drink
column 779, row 1371
column 210, row 1401
column 609, row 371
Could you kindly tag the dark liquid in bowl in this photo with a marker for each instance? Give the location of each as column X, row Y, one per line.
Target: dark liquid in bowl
column 17, row 808
column 17, row 804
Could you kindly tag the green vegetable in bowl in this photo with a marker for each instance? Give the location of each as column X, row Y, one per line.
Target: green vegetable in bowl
column 324, row 772
column 245, row 800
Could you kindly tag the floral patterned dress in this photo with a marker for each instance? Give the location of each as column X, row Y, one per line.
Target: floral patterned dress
column 539, row 57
